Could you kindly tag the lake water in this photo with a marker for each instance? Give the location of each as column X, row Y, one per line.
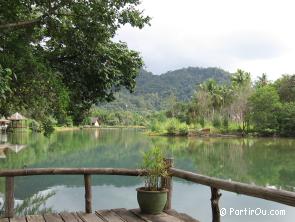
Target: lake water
column 265, row 162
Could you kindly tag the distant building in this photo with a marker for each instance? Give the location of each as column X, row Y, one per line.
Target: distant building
column 17, row 121
column 4, row 123
column 94, row 122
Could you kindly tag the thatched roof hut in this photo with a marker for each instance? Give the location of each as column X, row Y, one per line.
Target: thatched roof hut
column 94, row 121
column 17, row 116
column 18, row 120
column 4, row 123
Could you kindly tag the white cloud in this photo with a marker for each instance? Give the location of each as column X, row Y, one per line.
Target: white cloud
column 257, row 36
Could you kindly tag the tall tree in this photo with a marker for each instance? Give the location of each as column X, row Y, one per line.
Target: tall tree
column 265, row 107
column 262, row 80
column 72, row 41
column 240, row 78
column 286, row 88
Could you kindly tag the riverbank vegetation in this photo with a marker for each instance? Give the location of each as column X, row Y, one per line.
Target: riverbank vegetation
column 241, row 107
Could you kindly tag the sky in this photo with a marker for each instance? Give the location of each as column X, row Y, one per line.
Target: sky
column 257, row 36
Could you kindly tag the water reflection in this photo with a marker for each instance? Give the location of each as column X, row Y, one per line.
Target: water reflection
column 266, row 162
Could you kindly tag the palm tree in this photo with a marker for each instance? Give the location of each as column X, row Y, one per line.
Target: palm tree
column 262, row 80
column 240, row 78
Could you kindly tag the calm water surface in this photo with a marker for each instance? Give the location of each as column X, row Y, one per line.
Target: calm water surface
column 266, row 162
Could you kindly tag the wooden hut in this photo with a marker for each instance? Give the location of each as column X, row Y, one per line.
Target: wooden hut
column 17, row 121
column 4, row 123
column 94, row 122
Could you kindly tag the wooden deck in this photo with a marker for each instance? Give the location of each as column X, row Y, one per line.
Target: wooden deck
column 114, row 215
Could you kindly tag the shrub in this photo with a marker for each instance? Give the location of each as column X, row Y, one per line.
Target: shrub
column 287, row 119
column 156, row 126
column 225, row 122
column 216, row 122
column 172, row 126
column 153, row 162
column 183, row 129
column 35, row 126
column 201, row 121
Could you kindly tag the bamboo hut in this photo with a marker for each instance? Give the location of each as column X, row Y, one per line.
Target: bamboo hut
column 4, row 123
column 17, row 121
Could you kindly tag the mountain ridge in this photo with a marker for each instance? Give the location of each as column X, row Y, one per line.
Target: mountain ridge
column 152, row 91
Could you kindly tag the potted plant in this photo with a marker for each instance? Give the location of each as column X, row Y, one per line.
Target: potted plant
column 152, row 197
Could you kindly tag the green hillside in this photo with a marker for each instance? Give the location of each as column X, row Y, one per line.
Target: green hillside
column 155, row 92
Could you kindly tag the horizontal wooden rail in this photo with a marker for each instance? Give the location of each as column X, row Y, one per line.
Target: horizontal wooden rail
column 280, row 196
column 72, row 171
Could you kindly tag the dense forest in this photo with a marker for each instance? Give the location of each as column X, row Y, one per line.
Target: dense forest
column 156, row 92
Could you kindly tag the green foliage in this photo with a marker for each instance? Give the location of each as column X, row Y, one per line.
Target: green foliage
column 216, row 121
column 153, row 162
column 117, row 118
column 35, row 126
column 48, row 126
column 170, row 126
column 287, row 119
column 64, row 56
column 34, row 205
column 161, row 92
column 265, row 106
column 201, row 120
column 225, row 122
column 286, row 88
column 5, row 78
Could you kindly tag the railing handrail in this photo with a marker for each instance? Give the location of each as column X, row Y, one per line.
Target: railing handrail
column 280, row 196
column 71, row 171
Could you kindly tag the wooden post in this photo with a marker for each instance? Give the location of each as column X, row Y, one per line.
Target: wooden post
column 9, row 196
column 167, row 183
column 215, row 195
column 88, row 193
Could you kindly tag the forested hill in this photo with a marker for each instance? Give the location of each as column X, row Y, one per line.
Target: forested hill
column 154, row 92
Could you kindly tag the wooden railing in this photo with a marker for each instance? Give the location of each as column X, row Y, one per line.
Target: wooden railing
column 280, row 196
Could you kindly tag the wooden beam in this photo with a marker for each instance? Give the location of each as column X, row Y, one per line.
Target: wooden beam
column 88, row 193
column 215, row 195
column 166, row 182
column 72, row 171
column 9, row 197
column 280, row 196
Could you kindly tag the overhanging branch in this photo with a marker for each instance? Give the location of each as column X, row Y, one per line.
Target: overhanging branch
column 18, row 25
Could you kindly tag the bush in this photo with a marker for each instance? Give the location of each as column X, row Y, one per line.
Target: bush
column 201, row 121
column 287, row 119
column 35, row 126
column 156, row 126
column 216, row 122
column 47, row 126
column 183, row 129
column 225, row 122
column 171, row 126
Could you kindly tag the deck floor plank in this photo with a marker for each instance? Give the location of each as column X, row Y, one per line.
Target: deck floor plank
column 90, row 217
column 52, row 218
column 109, row 216
column 162, row 217
column 4, row 220
column 35, row 218
column 181, row 216
column 68, row 217
column 18, row 219
column 127, row 215
column 77, row 217
column 113, row 215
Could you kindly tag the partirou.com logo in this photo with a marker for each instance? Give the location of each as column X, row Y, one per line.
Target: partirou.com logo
column 251, row 212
